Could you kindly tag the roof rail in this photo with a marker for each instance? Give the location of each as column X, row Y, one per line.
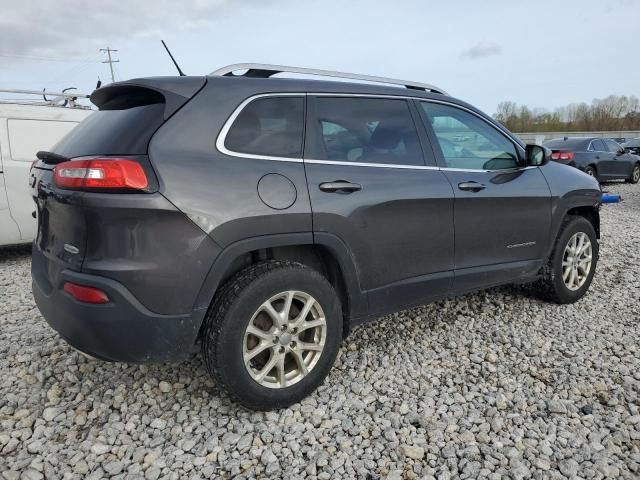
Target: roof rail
column 51, row 99
column 261, row 70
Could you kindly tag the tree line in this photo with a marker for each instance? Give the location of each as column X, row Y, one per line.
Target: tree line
column 606, row 114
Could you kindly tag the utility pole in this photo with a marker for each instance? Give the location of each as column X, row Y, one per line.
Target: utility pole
column 109, row 60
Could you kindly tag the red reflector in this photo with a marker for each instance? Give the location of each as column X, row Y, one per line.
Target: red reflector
column 86, row 294
column 110, row 173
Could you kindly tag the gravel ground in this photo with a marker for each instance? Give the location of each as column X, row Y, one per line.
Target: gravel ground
column 496, row 384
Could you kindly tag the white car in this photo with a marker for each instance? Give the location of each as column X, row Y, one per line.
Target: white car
column 24, row 130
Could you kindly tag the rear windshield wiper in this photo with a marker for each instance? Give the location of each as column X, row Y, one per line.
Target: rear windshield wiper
column 50, row 157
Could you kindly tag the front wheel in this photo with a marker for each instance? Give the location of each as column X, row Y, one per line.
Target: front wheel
column 272, row 334
column 572, row 264
column 635, row 174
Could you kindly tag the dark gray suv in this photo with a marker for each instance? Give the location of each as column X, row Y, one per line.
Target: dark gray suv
column 259, row 219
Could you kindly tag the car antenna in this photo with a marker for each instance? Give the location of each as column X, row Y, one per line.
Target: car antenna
column 173, row 59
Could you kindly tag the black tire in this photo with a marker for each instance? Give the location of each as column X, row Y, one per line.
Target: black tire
column 232, row 309
column 635, row 174
column 552, row 287
column 591, row 171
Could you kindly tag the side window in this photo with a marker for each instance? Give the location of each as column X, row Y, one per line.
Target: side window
column 612, row 146
column 598, row 145
column 270, row 126
column 367, row 130
column 467, row 141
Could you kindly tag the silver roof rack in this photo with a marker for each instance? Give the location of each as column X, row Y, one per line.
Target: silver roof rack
column 261, row 70
column 50, row 99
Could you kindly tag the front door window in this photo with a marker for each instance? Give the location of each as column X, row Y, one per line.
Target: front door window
column 468, row 142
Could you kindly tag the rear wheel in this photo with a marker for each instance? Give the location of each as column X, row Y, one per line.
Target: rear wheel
column 635, row 174
column 591, row 171
column 569, row 272
column 272, row 334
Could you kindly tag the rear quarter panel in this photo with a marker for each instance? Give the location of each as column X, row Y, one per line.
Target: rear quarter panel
column 219, row 192
column 583, row 159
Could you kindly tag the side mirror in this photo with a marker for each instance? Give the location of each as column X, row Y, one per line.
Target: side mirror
column 621, row 150
column 537, row 155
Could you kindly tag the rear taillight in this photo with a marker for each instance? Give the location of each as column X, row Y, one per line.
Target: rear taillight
column 562, row 156
column 105, row 173
column 86, row 294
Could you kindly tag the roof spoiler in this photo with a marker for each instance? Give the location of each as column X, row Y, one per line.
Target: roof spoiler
column 174, row 92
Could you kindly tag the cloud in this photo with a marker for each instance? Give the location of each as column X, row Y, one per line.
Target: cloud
column 482, row 50
column 79, row 27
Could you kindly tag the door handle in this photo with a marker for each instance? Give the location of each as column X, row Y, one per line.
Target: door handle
column 340, row 186
column 471, row 186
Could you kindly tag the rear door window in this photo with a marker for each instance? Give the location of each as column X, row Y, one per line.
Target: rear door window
column 598, row 145
column 271, row 126
column 365, row 130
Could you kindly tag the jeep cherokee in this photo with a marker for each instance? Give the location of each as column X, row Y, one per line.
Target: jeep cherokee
column 260, row 219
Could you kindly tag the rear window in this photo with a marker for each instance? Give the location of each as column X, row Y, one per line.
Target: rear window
column 569, row 143
column 123, row 126
column 270, row 127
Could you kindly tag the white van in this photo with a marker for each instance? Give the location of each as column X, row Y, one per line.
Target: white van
column 24, row 130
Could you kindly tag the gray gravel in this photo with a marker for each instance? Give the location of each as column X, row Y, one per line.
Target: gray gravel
column 496, row 384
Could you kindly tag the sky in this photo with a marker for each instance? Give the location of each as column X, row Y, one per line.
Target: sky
column 541, row 53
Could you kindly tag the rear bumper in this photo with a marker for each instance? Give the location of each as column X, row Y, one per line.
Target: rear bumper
column 122, row 330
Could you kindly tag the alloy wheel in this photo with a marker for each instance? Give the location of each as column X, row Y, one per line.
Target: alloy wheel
column 284, row 339
column 636, row 174
column 576, row 261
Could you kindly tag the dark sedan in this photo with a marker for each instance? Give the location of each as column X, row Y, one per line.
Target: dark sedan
column 599, row 157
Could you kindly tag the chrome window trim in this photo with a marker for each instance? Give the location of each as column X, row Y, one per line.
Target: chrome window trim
column 222, row 136
column 502, row 170
column 229, row 122
column 374, row 165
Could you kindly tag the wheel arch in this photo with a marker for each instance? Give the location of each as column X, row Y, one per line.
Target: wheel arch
column 327, row 254
column 590, row 212
column 593, row 166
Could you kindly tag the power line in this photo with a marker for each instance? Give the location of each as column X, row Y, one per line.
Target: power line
column 110, row 60
column 69, row 72
column 47, row 59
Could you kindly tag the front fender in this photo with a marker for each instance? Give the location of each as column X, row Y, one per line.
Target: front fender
column 571, row 189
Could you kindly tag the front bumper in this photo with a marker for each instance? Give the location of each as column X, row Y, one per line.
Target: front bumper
column 122, row 330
